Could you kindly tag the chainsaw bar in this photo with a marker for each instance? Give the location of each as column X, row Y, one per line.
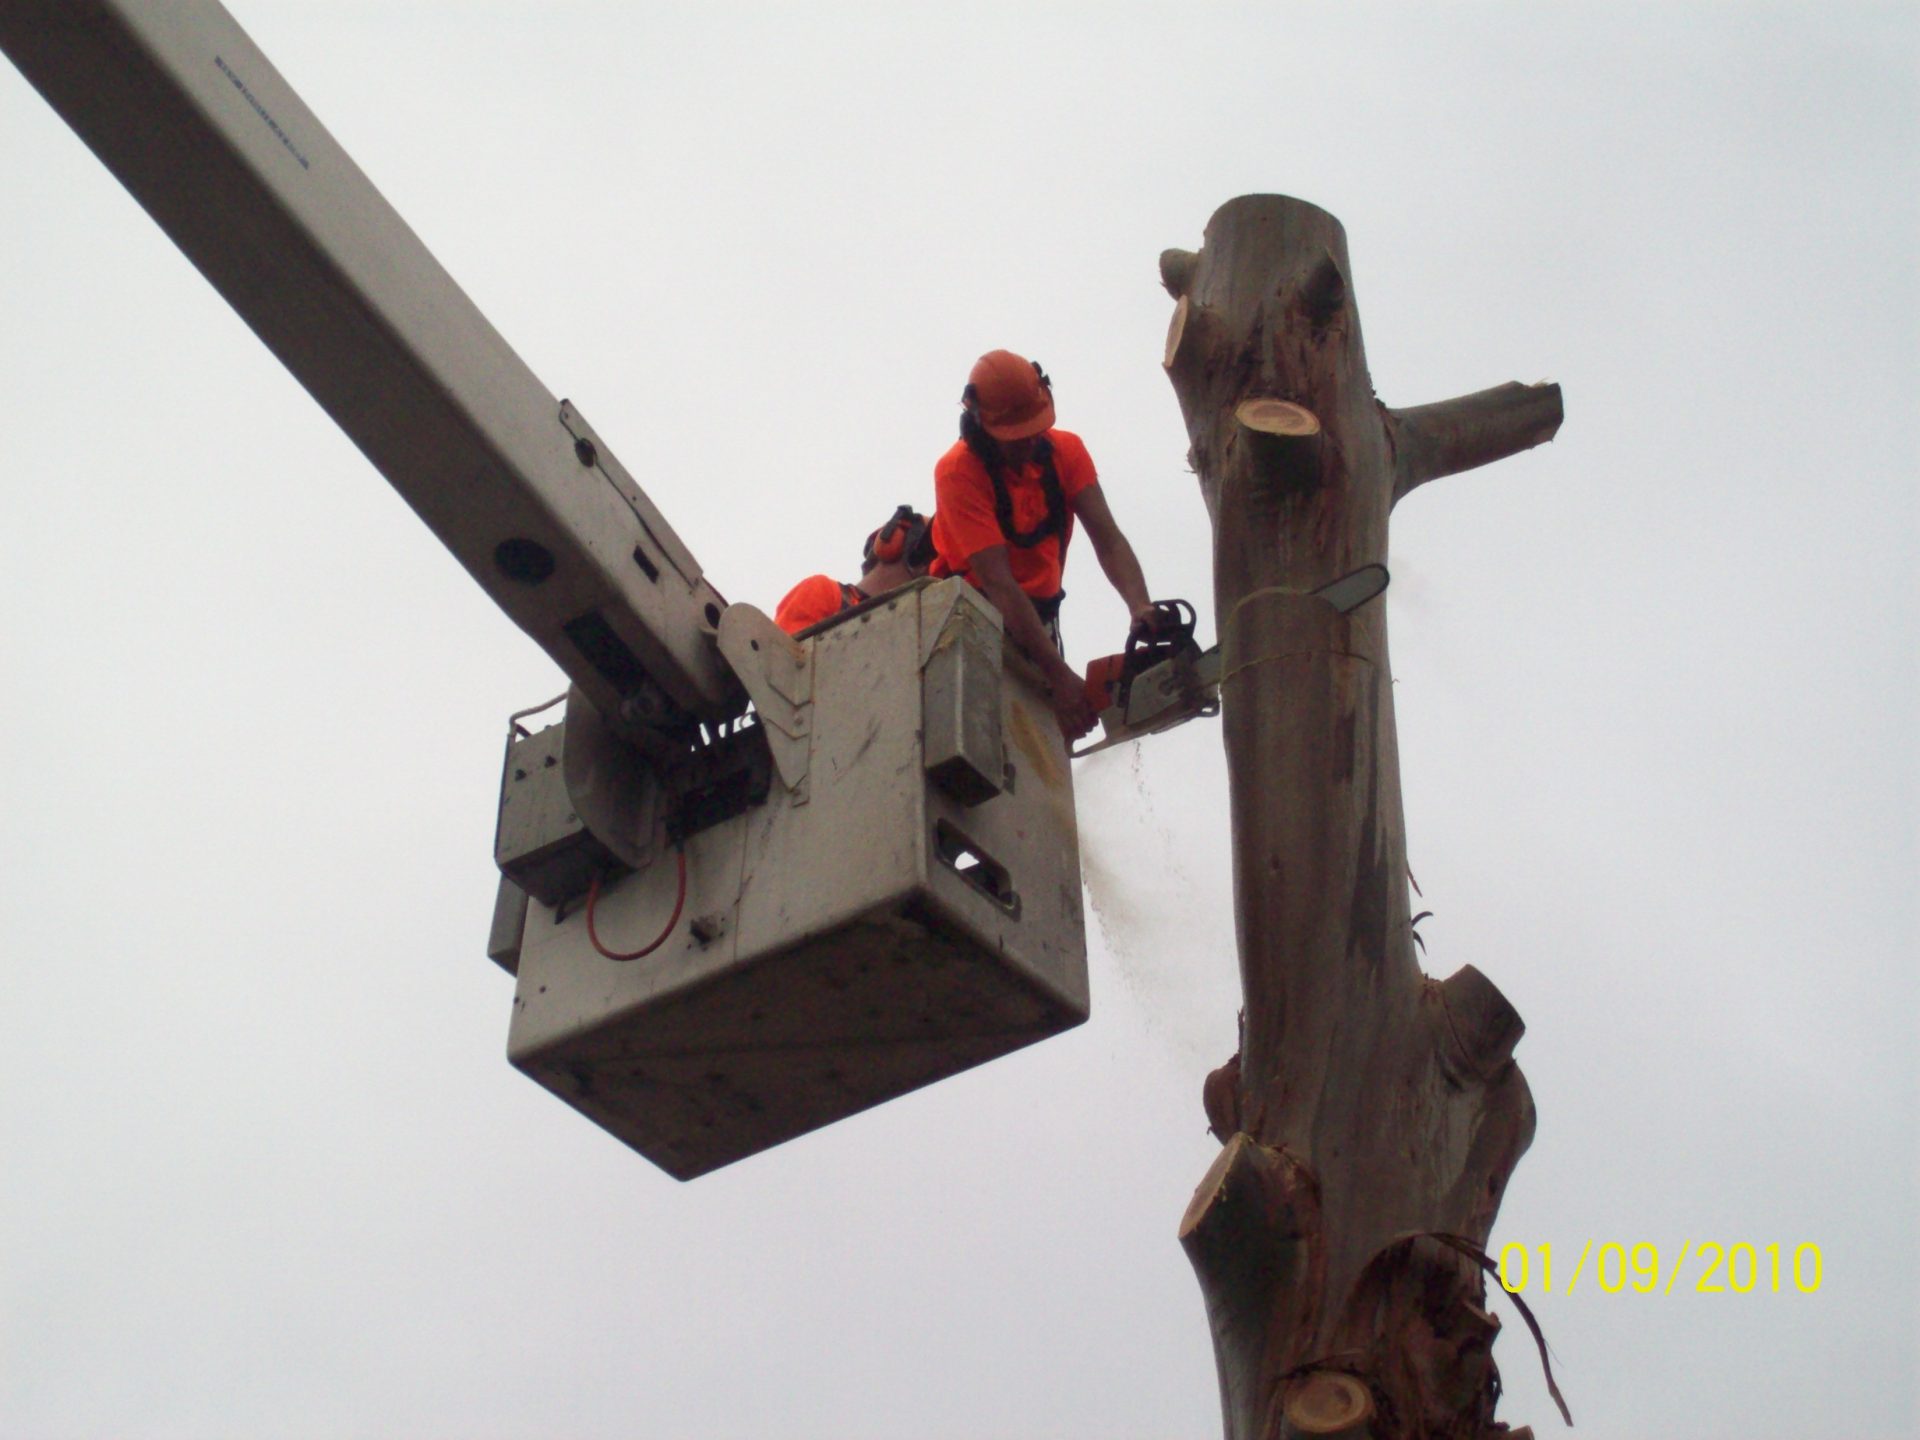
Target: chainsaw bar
column 1187, row 685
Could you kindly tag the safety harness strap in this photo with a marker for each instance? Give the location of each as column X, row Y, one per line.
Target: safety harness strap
column 1054, row 523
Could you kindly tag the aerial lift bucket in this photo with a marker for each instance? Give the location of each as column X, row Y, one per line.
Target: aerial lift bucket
column 881, row 886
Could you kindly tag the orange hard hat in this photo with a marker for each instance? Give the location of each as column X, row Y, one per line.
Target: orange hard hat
column 1011, row 397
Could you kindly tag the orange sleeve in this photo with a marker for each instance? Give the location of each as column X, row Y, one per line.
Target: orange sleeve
column 808, row 603
column 963, row 520
column 1072, row 463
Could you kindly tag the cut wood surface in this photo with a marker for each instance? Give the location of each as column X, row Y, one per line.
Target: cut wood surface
column 1176, row 331
column 1369, row 1105
column 1327, row 1402
column 1277, row 417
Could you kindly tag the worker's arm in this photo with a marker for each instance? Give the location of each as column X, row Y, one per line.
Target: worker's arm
column 1066, row 690
column 1115, row 553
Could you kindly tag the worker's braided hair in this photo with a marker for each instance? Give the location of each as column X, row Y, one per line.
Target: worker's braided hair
column 987, row 451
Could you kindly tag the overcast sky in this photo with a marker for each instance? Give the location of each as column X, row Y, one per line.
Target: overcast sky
column 266, row 1168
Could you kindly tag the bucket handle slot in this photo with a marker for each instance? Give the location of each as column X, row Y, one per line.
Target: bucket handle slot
column 973, row 865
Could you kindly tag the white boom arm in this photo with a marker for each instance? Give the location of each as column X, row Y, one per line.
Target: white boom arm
column 182, row 107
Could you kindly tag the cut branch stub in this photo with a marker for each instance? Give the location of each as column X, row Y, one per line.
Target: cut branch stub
column 1328, row 1402
column 1277, row 417
column 1283, row 445
column 1176, row 271
column 1482, row 1026
column 1246, row 1233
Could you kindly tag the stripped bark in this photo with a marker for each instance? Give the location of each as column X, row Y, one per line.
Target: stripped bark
column 1370, row 1108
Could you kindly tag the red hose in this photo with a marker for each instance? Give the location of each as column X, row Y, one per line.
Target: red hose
column 679, row 901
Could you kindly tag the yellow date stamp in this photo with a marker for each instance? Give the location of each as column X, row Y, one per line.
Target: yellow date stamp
column 1739, row 1268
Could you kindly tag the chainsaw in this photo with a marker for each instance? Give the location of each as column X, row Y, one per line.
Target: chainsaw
column 1165, row 679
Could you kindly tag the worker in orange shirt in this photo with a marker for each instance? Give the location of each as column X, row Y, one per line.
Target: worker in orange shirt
column 898, row 552
column 1006, row 497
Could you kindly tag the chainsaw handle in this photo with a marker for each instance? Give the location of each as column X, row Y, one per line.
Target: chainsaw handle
column 1169, row 627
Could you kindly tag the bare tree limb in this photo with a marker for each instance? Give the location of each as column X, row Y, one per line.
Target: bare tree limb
column 1470, row 430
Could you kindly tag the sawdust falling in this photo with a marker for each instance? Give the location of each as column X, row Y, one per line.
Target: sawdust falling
column 1162, row 912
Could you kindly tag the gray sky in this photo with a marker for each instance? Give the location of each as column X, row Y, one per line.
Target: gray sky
column 267, row 1170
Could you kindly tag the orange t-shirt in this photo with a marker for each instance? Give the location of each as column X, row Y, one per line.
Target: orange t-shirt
column 813, row 600
column 964, row 523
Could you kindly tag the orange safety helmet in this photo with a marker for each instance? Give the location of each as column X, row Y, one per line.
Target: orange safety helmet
column 1012, row 398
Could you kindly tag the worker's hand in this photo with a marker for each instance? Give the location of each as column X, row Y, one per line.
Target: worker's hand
column 1160, row 620
column 1071, row 707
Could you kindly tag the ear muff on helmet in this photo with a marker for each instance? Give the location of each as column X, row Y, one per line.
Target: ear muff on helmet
column 905, row 535
column 889, row 542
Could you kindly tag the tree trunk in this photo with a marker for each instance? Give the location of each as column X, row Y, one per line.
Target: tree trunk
column 1371, row 1110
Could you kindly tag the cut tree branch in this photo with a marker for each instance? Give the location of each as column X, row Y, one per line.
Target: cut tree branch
column 1247, row 1233
column 1176, row 271
column 1480, row 1025
column 1470, row 430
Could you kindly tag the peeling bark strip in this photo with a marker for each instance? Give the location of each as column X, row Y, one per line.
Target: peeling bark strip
column 1368, row 1103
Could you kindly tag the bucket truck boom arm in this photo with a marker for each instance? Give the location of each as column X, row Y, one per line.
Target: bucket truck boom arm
column 188, row 114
